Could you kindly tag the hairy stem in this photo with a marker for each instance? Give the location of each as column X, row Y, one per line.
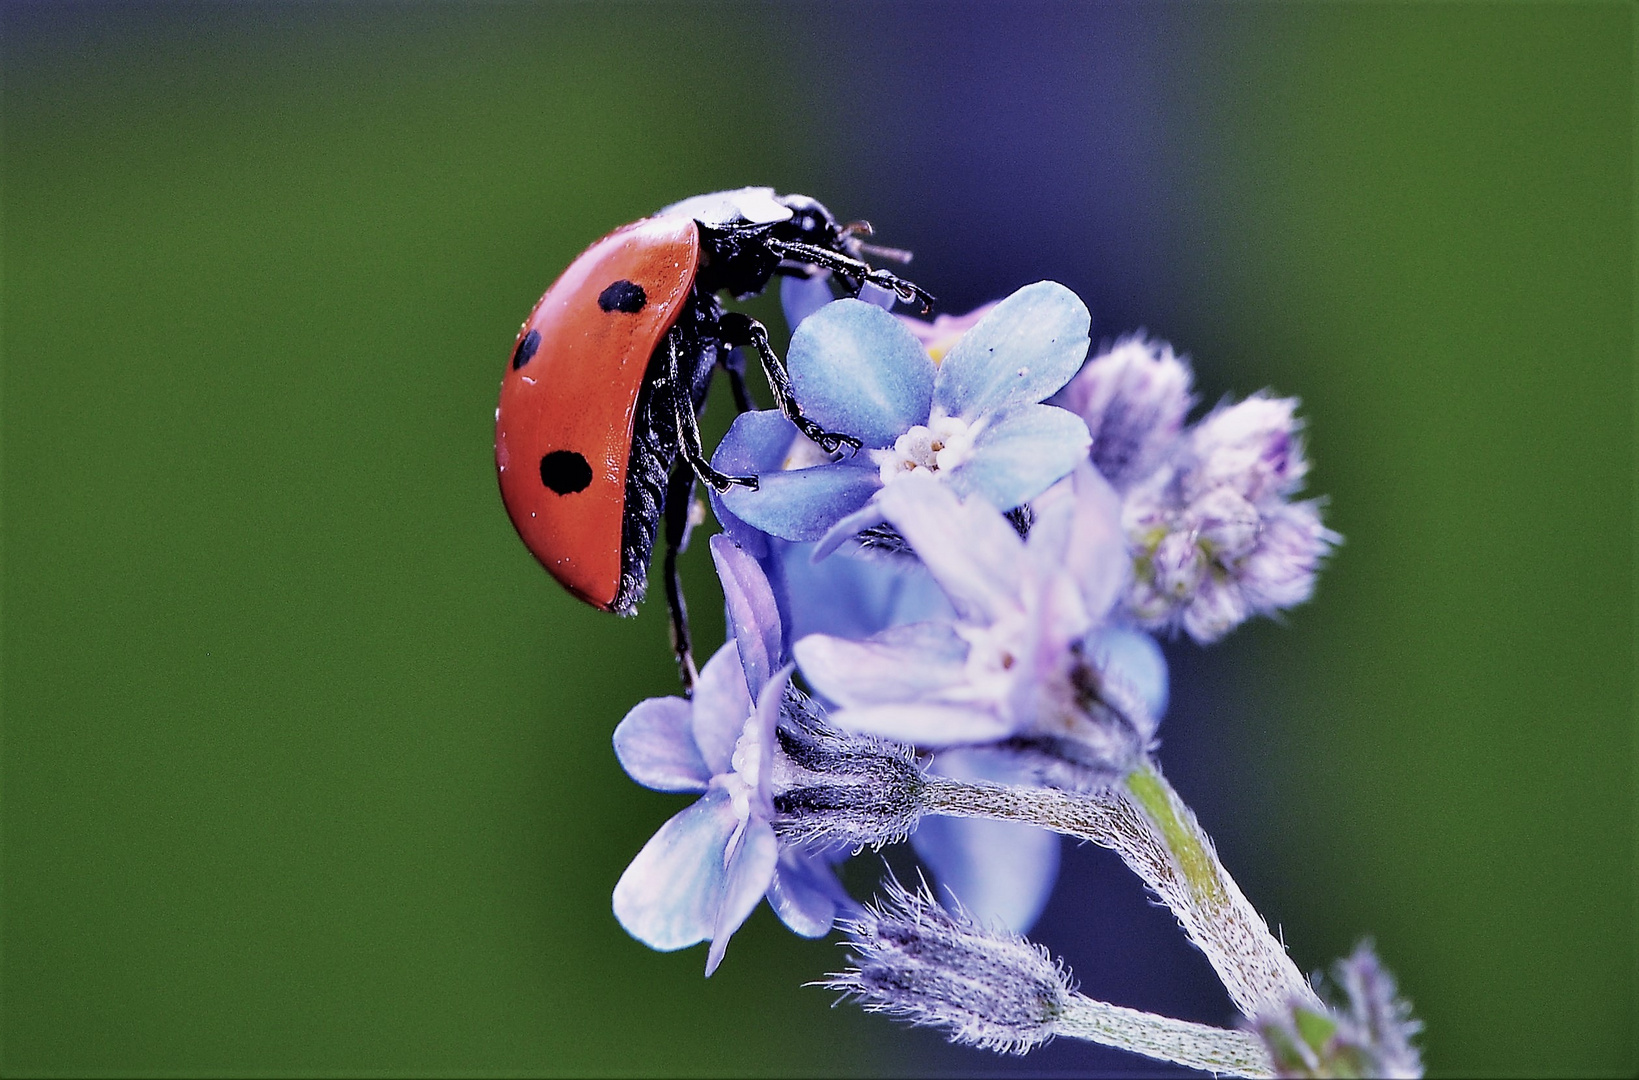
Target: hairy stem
column 1232, row 1053
column 1158, row 837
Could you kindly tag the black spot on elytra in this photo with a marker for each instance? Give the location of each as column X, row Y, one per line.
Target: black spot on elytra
column 623, row 295
column 565, row 472
column 526, row 349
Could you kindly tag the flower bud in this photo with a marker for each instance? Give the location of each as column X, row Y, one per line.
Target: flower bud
column 1134, row 398
column 1251, row 446
column 833, row 788
column 1370, row 1035
column 917, row 961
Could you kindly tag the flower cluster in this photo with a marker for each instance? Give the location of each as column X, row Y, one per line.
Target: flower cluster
column 1215, row 535
column 946, row 635
column 1368, row 1035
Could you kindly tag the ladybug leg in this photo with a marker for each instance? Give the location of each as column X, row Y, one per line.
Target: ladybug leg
column 737, row 329
column 679, row 501
column 907, row 291
column 688, row 431
column 734, row 363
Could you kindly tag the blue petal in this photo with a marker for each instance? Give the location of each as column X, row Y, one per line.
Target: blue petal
column 878, row 296
column 800, row 297
column 925, row 725
column 1134, row 658
column 803, row 503
column 969, row 548
column 763, row 721
column 749, row 874
column 1097, row 551
column 721, row 706
column 655, row 745
column 906, row 667
column 1002, row 872
column 846, row 529
column 805, row 894
column 753, row 618
column 1021, row 353
column 1021, row 453
column 756, row 443
column 669, row 897
column 852, row 598
column 858, row 371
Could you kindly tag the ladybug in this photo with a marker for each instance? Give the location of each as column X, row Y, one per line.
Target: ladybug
column 608, row 375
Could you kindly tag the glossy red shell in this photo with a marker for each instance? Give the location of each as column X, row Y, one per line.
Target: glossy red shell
column 578, row 394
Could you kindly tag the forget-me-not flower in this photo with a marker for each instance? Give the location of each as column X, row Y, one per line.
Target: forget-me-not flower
column 974, row 420
column 701, row 875
column 1018, row 663
column 845, row 597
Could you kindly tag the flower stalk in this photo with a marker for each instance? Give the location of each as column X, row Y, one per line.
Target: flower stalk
column 1147, row 824
column 1196, row 1046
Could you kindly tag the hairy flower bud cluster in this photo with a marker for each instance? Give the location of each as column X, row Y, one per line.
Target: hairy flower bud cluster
column 1214, row 535
column 1134, row 397
column 916, row 961
column 1370, row 1035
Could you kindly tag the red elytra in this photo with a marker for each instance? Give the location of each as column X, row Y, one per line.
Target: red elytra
column 576, row 396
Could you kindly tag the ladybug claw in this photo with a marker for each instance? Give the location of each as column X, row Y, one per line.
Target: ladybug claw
column 907, row 291
column 720, row 483
column 832, row 441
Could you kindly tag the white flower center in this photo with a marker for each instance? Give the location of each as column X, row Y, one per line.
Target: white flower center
column 997, row 654
column 743, row 783
column 941, row 445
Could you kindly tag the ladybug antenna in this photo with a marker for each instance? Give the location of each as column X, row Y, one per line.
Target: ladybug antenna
column 891, row 254
column 850, row 234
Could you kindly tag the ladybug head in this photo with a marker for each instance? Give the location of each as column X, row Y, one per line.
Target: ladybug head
column 810, row 223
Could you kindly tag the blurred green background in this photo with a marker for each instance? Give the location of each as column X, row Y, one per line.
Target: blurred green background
column 306, row 762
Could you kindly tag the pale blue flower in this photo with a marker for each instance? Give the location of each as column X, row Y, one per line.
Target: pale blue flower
column 1018, row 663
column 851, row 598
column 1003, row 872
column 974, row 420
column 701, row 875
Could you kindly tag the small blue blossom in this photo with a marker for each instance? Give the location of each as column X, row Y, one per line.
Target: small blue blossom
column 1017, row 663
column 973, row 420
column 1215, row 536
column 701, row 875
column 851, row 598
column 1003, row 872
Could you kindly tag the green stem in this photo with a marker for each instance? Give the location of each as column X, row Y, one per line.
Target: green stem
column 1197, row 863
